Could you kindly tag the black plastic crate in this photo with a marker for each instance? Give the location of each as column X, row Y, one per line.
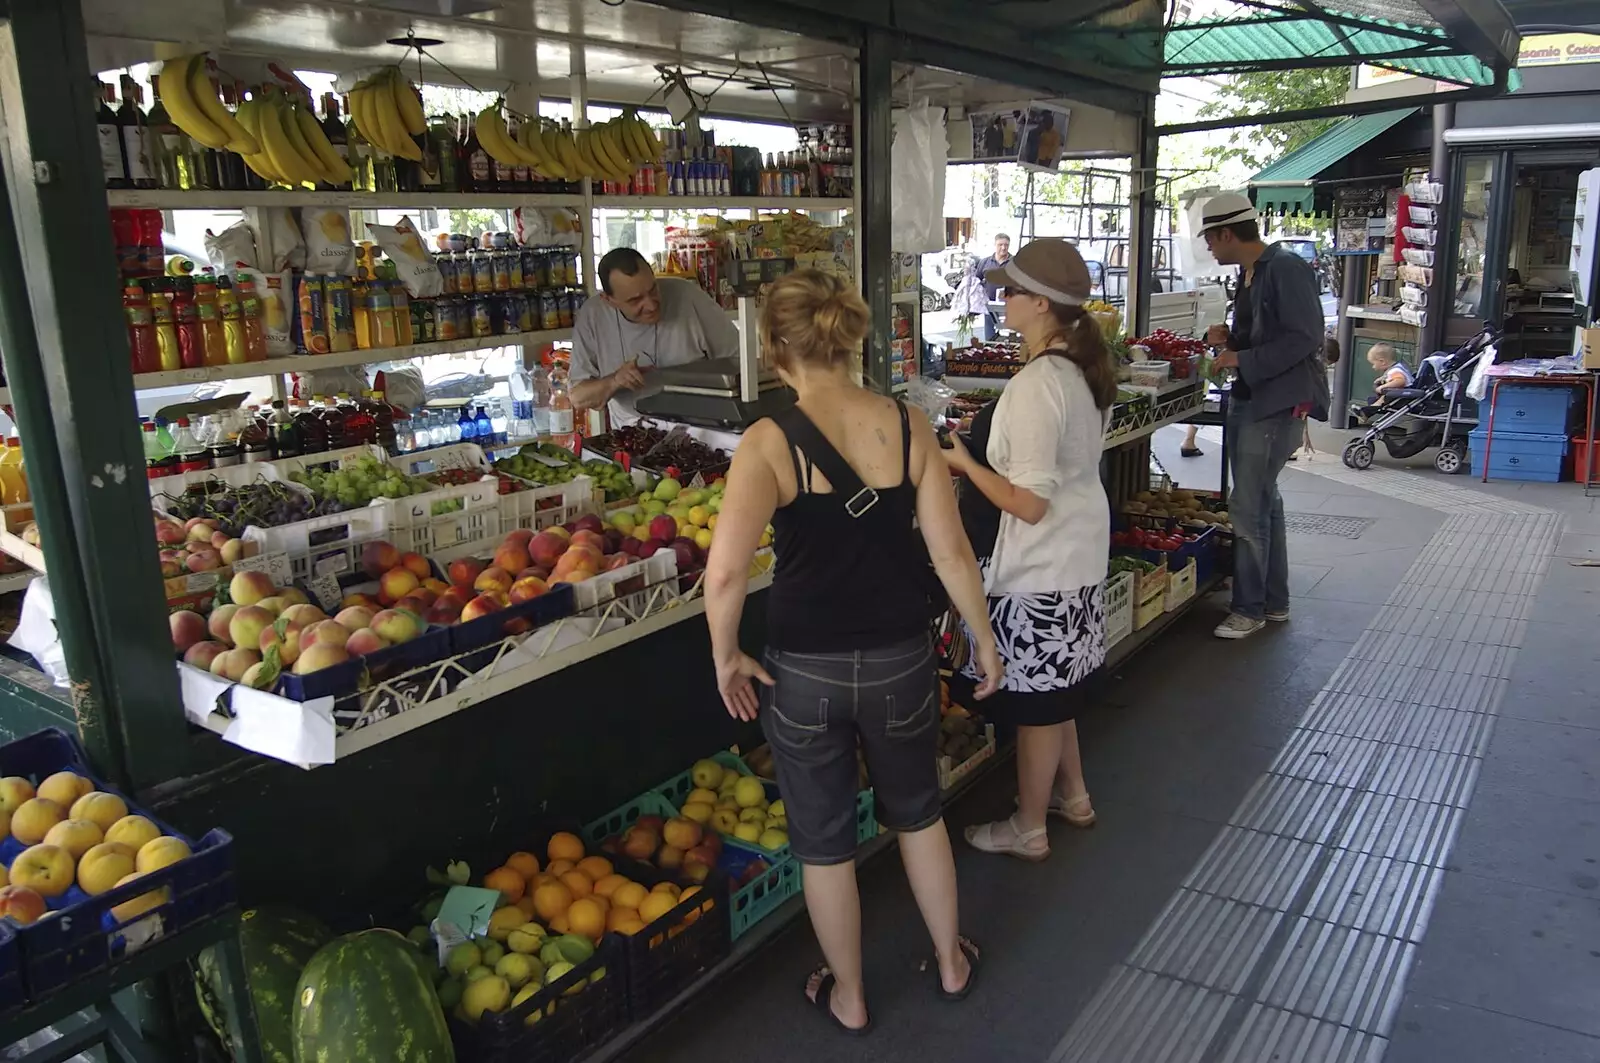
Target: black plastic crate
column 665, row 957
column 550, row 1026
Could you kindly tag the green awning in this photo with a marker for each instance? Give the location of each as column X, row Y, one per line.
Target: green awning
column 1288, row 185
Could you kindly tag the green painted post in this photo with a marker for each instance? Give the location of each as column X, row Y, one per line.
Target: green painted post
column 103, row 538
column 874, row 138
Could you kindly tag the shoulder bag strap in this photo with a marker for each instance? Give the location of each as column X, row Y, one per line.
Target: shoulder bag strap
column 858, row 497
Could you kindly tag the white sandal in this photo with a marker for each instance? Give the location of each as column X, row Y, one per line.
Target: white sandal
column 1061, row 808
column 981, row 837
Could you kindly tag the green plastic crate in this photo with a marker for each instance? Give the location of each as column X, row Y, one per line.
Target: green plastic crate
column 678, row 787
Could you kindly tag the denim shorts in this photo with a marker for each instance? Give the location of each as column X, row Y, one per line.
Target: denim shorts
column 823, row 707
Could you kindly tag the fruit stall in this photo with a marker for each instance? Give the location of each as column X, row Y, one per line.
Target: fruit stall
column 390, row 647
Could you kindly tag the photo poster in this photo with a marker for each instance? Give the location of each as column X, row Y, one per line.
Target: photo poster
column 1044, row 137
column 997, row 134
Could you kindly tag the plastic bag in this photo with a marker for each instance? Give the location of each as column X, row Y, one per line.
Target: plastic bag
column 403, row 386
column 279, row 243
column 351, row 379
column 1479, row 386
column 329, row 248
column 916, row 222
column 930, row 396
column 404, row 246
column 547, row 226
column 36, row 631
column 234, row 245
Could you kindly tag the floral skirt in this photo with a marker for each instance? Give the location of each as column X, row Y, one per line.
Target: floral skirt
column 1049, row 644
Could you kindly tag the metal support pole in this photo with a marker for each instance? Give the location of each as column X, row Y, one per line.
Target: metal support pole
column 1355, row 272
column 874, row 139
column 1142, row 240
column 1444, row 116
column 84, row 412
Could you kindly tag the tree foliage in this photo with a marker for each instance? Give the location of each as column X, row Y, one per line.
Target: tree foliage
column 1267, row 92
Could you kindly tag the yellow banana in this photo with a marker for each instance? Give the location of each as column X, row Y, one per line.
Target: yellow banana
column 491, row 130
column 289, row 112
column 391, row 127
column 333, row 166
column 526, row 156
column 260, row 165
column 642, row 138
column 652, row 141
column 360, row 114
column 591, row 165
column 631, row 141
column 569, row 152
column 409, row 104
column 280, row 150
column 530, row 140
column 185, row 112
column 205, row 97
column 600, row 147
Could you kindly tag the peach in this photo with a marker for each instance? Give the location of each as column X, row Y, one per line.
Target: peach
column 513, row 557
column 170, row 533
column 304, row 614
column 445, row 611
column 546, row 548
column 589, row 538
column 520, row 536
column 437, row 586
column 218, row 538
column 356, row 617
column 100, row 808
column 201, row 654
column 33, row 819
column 48, row 870
column 103, row 866
column 233, row 664
column 328, row 633
column 493, row 579
column 527, row 589
column 76, row 836
column 218, row 623
column 417, row 565
column 284, row 636
column 320, row 656
column 260, row 677
column 482, row 605
column 159, row 853
column 205, row 560
column 128, row 911
column 293, row 596
column 22, row 904
column 247, row 625
column 364, row 601
column 640, row 842
column 188, row 628
column 274, row 605
column 14, row 790
column 396, row 625
column 133, row 831
column 396, row 584
column 233, row 551
column 248, row 588
column 364, row 642
column 560, row 532
column 199, row 530
column 64, row 788
column 464, row 572
column 378, row 558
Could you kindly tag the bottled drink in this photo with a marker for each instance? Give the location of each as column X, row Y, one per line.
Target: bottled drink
column 445, row 147
column 113, row 165
column 232, row 173
column 521, row 385
column 335, row 131
column 360, row 424
column 172, row 162
column 191, row 341
column 499, row 423
column 167, row 349
column 285, row 431
column 439, row 425
column 210, row 315
column 135, row 136
column 401, row 300
column 164, row 436
column 478, row 174
column 384, row 414
column 483, row 428
column 255, row 337
column 232, row 322
column 191, row 453
column 156, row 458
column 142, row 347
column 421, row 435
column 255, row 438
column 13, row 477
column 224, row 441
column 311, row 429
column 336, row 417
column 561, row 415
column 539, row 378
column 467, row 426
column 152, row 252
column 359, row 153
column 380, row 301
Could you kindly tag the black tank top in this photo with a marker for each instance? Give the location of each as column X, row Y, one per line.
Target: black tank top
column 848, row 574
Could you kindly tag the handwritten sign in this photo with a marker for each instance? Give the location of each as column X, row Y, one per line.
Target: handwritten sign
column 275, row 565
column 324, row 587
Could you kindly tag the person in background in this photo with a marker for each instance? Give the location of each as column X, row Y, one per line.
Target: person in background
column 1047, row 145
column 1191, row 447
column 1037, row 514
column 640, row 323
column 970, row 304
column 1276, row 348
column 1388, row 374
column 1002, row 255
column 849, row 661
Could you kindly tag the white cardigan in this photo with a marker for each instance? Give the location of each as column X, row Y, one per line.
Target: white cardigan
column 1047, row 437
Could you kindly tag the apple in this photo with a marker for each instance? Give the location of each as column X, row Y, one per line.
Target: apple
column 378, row 557
column 464, row 572
column 233, row 664
column 202, row 654
column 248, row 588
column 616, row 561
column 245, row 629
column 396, row 625
column 417, row 565
column 546, row 548
column 48, row 870
column 614, row 541
column 630, row 547
column 640, row 842
column 664, row 528
column 319, row 656
column 481, row 606
column 14, row 790
column 284, row 636
column 396, row 584
column 356, row 617
column 100, row 808
column 188, row 628
column 683, row 834
column 21, row 904
column 103, row 866
column 76, row 836
column 669, row 858
column 159, row 853
column 364, row 642
column 688, row 554
column 651, row 548
column 589, row 522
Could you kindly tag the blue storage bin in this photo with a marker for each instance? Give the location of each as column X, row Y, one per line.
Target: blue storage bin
column 1520, row 455
column 1541, row 409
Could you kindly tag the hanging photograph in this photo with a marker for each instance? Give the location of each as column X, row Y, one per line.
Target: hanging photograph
column 996, row 135
column 1044, row 137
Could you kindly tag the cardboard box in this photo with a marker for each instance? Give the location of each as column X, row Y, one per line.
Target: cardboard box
column 1589, row 347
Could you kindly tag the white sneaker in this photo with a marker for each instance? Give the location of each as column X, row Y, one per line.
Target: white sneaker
column 1238, row 627
column 1278, row 616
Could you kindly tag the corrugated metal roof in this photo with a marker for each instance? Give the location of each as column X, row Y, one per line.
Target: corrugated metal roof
column 1286, row 186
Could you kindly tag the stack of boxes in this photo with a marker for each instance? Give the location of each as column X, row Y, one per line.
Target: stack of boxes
column 1530, row 433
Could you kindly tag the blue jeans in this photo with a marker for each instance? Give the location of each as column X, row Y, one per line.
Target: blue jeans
column 1258, row 451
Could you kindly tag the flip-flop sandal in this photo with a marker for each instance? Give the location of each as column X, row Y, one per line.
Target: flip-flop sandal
column 974, row 964
column 823, row 1003
column 981, row 837
column 1190, row 452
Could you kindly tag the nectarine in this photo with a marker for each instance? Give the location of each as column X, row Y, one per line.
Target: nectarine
column 396, row 584
column 396, row 625
column 188, row 628
column 245, row 629
column 364, row 642
column 248, row 588
column 493, row 578
column 417, row 565
column 22, row 904
column 356, row 617
column 379, row 557
column 464, row 572
column 201, row 654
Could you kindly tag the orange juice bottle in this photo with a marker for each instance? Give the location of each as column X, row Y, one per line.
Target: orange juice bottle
column 13, row 474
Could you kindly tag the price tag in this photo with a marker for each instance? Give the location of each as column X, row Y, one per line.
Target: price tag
column 325, row 589
column 330, row 565
column 275, row 565
column 200, row 581
column 547, row 461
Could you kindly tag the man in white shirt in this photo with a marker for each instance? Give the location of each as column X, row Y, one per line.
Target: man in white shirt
column 639, row 323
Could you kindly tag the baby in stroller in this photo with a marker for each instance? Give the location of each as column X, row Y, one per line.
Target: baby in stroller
column 1389, row 374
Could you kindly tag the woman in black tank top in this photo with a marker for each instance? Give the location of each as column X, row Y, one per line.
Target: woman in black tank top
column 849, row 663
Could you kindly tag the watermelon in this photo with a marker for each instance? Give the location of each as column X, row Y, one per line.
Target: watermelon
column 276, row 943
column 364, row 998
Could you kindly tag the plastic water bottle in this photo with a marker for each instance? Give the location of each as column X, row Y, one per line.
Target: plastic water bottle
column 520, row 424
column 439, row 430
column 466, row 426
column 484, row 429
column 539, row 404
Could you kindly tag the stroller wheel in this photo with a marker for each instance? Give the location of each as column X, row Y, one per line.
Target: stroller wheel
column 1358, row 454
column 1451, row 459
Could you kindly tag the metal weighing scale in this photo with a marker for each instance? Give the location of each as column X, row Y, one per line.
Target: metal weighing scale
column 726, row 392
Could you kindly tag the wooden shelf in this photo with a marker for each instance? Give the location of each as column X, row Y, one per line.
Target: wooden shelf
column 179, row 199
column 308, row 362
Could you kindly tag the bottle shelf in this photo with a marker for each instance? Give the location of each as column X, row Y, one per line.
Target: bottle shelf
column 723, row 203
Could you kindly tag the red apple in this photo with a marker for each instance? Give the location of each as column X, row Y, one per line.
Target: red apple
column 664, row 528
column 630, row 547
column 688, row 553
column 588, row 522
column 618, row 560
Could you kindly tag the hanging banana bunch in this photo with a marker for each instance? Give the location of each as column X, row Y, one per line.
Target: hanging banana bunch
column 191, row 99
column 388, row 113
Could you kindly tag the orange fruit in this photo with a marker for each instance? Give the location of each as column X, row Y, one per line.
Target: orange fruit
column 694, row 913
column 656, row 905
column 551, row 900
column 629, row 895
column 529, row 909
column 557, row 868
column 560, row 925
column 596, row 867
column 508, row 882
column 578, row 883
column 606, row 885
column 524, row 864
column 587, row 919
column 617, row 916
column 564, row 846
column 667, row 887
column 629, row 927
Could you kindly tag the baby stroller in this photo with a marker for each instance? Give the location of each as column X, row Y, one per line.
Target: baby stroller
column 1435, row 411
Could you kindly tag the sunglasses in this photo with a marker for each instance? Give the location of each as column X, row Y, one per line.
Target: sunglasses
column 1007, row 293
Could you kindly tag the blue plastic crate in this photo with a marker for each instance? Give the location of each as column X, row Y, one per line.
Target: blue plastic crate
column 1520, row 455
column 86, row 938
column 1540, row 409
